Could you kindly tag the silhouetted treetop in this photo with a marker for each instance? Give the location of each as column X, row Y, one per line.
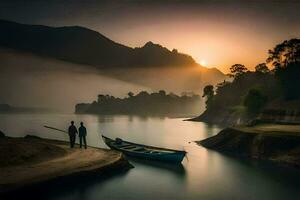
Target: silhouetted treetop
column 237, row 70
column 252, row 91
column 284, row 53
column 130, row 94
column 285, row 57
column 262, row 68
column 162, row 92
column 144, row 103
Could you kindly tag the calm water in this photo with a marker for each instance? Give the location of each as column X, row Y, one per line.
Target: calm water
column 204, row 174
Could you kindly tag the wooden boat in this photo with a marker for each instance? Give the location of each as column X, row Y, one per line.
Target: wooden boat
column 144, row 151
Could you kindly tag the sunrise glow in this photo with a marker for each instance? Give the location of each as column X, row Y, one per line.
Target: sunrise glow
column 203, row 63
column 150, row 99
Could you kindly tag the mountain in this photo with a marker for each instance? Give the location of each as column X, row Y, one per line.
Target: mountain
column 59, row 67
column 81, row 45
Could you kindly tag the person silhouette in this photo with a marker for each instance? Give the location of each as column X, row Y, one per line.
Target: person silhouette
column 82, row 135
column 72, row 134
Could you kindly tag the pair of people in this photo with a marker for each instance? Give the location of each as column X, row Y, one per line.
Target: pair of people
column 82, row 134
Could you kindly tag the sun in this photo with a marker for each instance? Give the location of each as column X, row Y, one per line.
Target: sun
column 203, row 63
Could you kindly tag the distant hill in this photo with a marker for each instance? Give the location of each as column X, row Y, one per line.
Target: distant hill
column 51, row 65
column 81, row 45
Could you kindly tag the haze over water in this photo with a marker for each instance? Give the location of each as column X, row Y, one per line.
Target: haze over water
column 205, row 174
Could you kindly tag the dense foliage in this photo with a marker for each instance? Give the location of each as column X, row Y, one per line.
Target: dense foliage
column 253, row 90
column 289, row 78
column 237, row 70
column 230, row 94
column 285, row 58
column 208, row 92
column 144, row 103
column 254, row 101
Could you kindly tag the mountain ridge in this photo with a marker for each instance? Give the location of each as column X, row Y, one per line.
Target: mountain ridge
column 85, row 46
column 51, row 74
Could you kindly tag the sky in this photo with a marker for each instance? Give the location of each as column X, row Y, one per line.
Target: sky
column 216, row 33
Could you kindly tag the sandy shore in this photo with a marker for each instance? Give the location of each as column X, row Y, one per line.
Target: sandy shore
column 31, row 161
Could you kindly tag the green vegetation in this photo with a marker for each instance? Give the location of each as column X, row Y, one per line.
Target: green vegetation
column 262, row 68
column 237, row 70
column 285, row 58
column 144, row 103
column 253, row 90
column 254, row 101
column 208, row 92
column 231, row 94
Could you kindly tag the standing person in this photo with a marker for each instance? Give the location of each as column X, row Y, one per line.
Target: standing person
column 82, row 135
column 72, row 133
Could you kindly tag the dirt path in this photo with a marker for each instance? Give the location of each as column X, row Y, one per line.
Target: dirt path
column 72, row 162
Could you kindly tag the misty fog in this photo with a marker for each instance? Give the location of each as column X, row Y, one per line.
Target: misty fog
column 173, row 79
column 33, row 81
column 28, row 80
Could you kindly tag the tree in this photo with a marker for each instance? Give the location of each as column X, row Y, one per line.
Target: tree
column 285, row 53
column 285, row 57
column 162, row 93
column 237, row 70
column 254, row 101
column 175, row 51
column 262, row 68
column 101, row 98
column 130, row 94
column 208, row 92
column 289, row 78
column 143, row 94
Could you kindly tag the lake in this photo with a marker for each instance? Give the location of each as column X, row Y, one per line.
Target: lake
column 204, row 174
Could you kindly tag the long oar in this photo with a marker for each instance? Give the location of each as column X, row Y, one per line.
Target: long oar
column 56, row 129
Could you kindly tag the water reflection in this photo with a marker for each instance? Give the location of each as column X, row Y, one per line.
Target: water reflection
column 211, row 129
column 204, row 174
column 105, row 119
column 177, row 169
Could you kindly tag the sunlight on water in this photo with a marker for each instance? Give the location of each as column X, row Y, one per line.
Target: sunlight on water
column 204, row 174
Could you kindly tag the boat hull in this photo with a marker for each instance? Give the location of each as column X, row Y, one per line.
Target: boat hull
column 174, row 156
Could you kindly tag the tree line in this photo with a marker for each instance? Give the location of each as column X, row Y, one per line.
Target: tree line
column 143, row 103
column 277, row 78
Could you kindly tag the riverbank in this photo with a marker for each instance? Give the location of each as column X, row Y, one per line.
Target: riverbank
column 275, row 112
column 272, row 142
column 225, row 117
column 31, row 161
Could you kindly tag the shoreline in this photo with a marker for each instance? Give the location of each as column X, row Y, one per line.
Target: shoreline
column 45, row 162
column 224, row 118
column 279, row 144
